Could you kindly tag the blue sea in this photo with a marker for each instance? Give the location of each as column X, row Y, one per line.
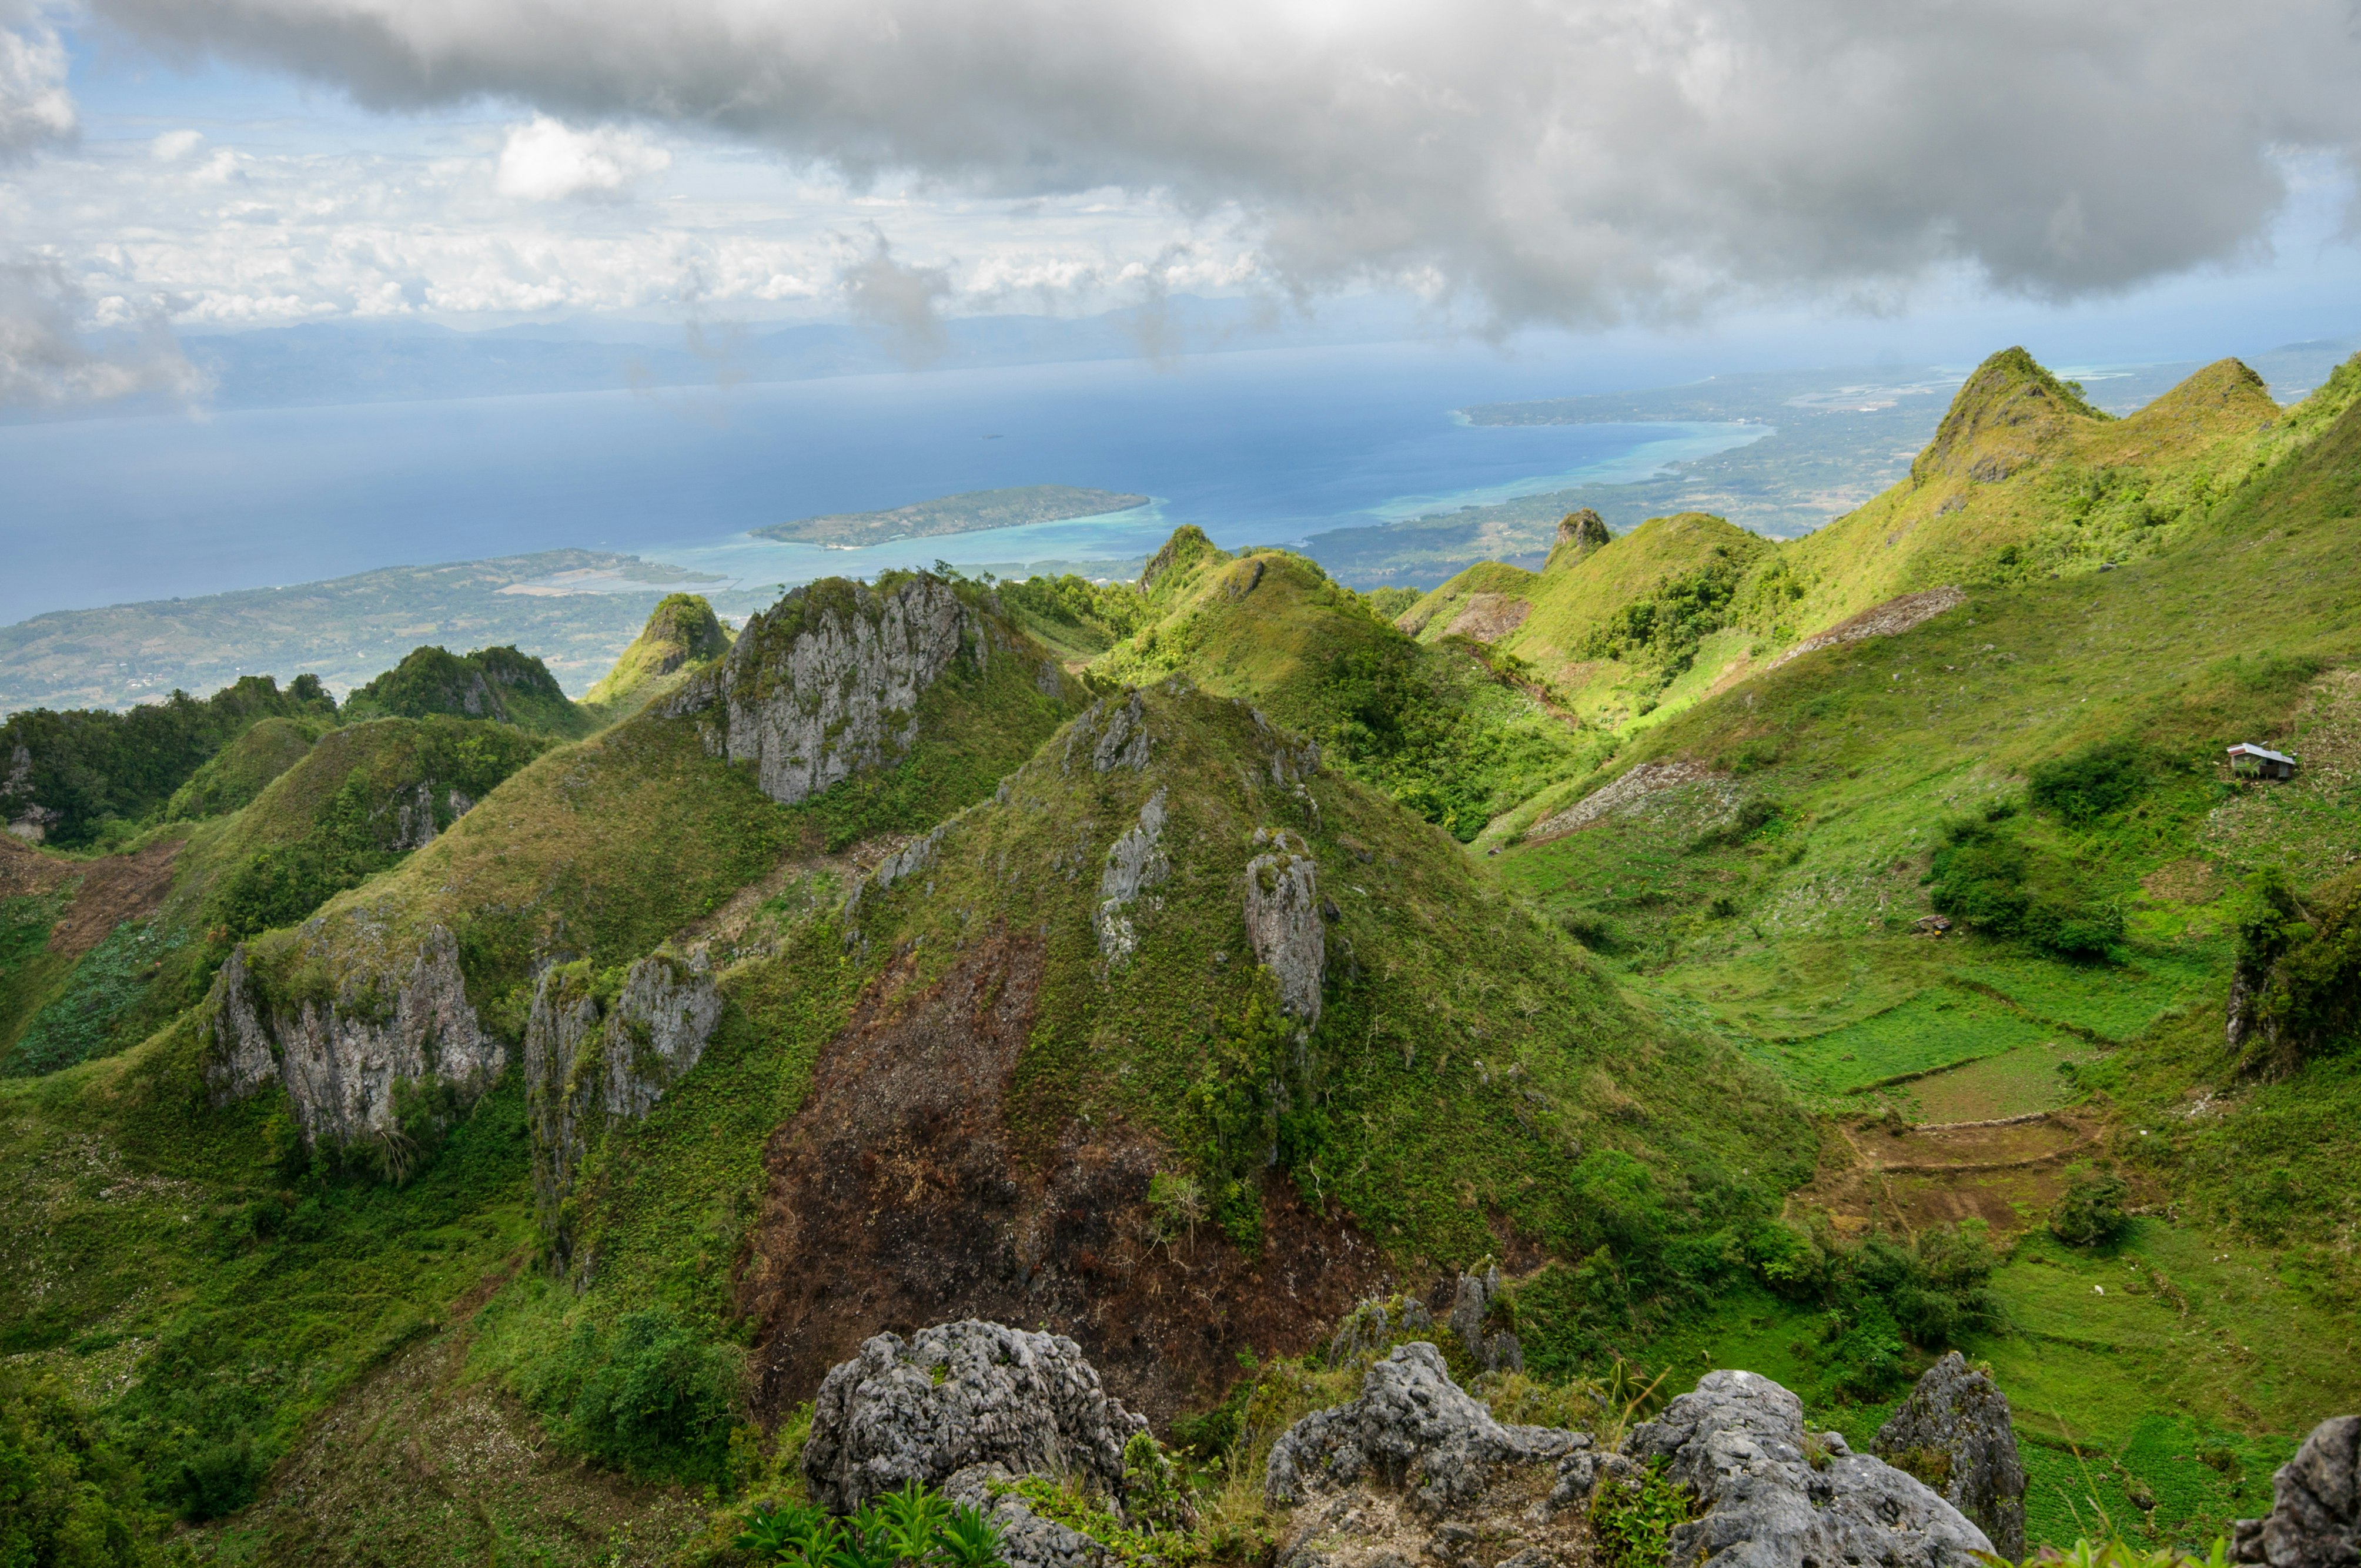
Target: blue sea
column 1263, row 447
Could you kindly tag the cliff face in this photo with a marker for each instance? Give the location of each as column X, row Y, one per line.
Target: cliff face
column 592, row 1059
column 826, row 684
column 342, row 1056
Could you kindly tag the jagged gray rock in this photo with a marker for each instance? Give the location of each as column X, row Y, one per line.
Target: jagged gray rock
column 584, row 1065
column 1374, row 1324
column 825, row 683
column 1284, row 920
column 1953, row 1434
column 1738, row 1441
column 1497, row 1352
column 1412, row 1429
column 342, row 1058
column 2316, row 1518
column 1027, row 1539
column 957, row 1396
column 1136, row 863
column 27, row 819
column 900, row 866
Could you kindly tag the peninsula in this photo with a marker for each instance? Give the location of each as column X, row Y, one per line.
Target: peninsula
column 972, row 513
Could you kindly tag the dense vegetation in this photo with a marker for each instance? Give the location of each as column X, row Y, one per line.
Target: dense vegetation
column 74, row 772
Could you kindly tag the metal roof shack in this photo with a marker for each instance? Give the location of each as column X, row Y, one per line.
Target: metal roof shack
column 2261, row 762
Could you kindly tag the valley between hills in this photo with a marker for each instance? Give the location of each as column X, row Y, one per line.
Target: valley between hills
column 462, row 1123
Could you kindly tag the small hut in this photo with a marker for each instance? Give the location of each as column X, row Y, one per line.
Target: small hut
column 2252, row 761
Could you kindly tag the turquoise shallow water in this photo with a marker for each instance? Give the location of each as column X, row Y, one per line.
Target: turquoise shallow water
column 1266, row 447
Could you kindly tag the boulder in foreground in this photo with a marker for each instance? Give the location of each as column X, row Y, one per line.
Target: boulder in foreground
column 2316, row 1518
column 1954, row 1433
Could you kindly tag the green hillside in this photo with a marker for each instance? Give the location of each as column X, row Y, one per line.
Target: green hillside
column 435, row 1137
column 1450, row 731
column 681, row 632
column 499, row 683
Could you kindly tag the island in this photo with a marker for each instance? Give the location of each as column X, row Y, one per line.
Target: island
column 972, row 513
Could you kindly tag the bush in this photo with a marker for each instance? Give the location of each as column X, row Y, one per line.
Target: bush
column 2091, row 1212
column 648, row 1396
column 2087, row 784
column 913, row 1525
column 1632, row 1518
column 65, row 1495
column 1984, row 875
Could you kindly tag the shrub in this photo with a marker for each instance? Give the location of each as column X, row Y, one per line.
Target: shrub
column 1632, row 1518
column 1984, row 874
column 65, row 1495
column 648, row 1396
column 912, row 1526
column 2091, row 1212
column 2087, row 784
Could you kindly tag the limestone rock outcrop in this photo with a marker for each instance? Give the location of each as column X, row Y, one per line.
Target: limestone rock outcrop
column 957, row 1396
column 1110, row 735
column 1284, row 920
column 2316, row 1518
column 825, row 683
column 1496, row 1350
column 586, row 1064
column 1135, row 866
column 1416, row 1471
column 1027, row 1539
column 342, row 1056
column 1953, row 1434
column 1412, row 1430
column 1765, row 1500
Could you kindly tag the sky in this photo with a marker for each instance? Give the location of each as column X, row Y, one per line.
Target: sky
column 2139, row 180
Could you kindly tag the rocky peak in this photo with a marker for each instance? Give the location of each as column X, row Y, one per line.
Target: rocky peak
column 1953, row 1434
column 1579, row 533
column 825, row 683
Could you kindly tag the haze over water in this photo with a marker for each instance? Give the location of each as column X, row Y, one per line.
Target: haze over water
column 1254, row 447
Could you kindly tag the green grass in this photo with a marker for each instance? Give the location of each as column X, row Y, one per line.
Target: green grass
column 1937, row 1028
column 85, row 1018
column 245, row 1284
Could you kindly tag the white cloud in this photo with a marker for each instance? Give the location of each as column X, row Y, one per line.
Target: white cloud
column 174, row 146
column 547, row 160
column 1577, row 161
column 36, row 110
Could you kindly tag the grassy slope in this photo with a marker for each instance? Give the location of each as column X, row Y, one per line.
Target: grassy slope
column 681, row 630
column 347, row 785
column 2228, row 1313
column 2025, row 480
column 1438, row 727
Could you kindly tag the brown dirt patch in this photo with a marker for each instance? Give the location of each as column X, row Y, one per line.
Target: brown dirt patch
column 118, row 888
column 1947, row 1149
column 1488, row 618
column 2193, row 881
column 26, row 872
column 2007, row 1174
column 899, row 1196
column 1891, row 619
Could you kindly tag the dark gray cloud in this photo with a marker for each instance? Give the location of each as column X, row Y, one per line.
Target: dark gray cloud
column 46, row 362
column 36, row 110
column 900, row 300
column 1578, row 162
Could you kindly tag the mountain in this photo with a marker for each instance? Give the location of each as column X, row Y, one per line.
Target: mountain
column 453, row 1137
column 681, row 630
